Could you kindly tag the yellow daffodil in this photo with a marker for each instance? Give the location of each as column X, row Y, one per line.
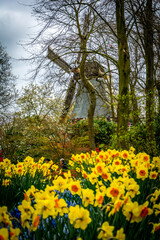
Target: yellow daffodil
column 35, row 222
column 79, row 217
column 156, row 227
column 8, row 172
column 60, row 184
column 84, row 174
column 156, row 162
column 20, row 171
column 46, row 208
column 4, row 216
column 145, row 157
column 6, row 182
column 54, row 167
column 75, row 187
column 117, row 162
column 116, row 207
column 132, row 149
column 106, row 231
column 3, row 210
column 144, row 210
column 142, row 172
column 99, row 168
column 14, row 233
column 128, row 209
column 101, row 187
column 60, row 206
column 124, row 154
column 29, row 194
column 68, row 176
column 106, row 175
column 50, row 190
column 115, row 190
column 101, row 155
column 156, row 208
column 87, row 197
column 28, row 159
column 93, row 178
column 99, row 198
column 120, row 234
column 4, row 235
column 71, row 163
column 7, row 162
column 45, row 205
column 153, row 175
column 155, row 196
column 26, row 208
column 132, row 188
column 135, row 212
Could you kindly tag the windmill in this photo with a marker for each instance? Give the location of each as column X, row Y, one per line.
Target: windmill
column 95, row 72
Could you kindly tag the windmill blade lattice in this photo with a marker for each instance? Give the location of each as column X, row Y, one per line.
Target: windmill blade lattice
column 58, row 60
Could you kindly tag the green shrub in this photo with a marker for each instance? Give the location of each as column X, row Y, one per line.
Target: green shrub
column 137, row 136
column 104, row 131
column 138, row 139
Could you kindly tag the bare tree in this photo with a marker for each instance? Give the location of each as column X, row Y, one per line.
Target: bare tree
column 7, row 82
column 70, row 14
column 124, row 74
column 144, row 13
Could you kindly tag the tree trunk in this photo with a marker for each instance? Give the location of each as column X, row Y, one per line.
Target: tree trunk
column 111, row 98
column 158, row 89
column 92, row 96
column 135, row 111
column 149, row 59
column 110, row 90
column 91, row 110
column 133, row 81
column 124, row 73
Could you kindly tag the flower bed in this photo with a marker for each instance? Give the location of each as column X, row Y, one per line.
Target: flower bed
column 104, row 195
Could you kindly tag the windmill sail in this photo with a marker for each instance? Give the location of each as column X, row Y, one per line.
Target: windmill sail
column 68, row 99
column 58, row 60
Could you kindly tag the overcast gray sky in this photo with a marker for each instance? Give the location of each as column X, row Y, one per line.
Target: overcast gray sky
column 16, row 25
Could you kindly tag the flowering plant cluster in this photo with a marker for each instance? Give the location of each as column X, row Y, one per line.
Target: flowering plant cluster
column 115, row 195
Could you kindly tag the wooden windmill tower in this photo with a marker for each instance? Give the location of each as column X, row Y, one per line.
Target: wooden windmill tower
column 95, row 72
